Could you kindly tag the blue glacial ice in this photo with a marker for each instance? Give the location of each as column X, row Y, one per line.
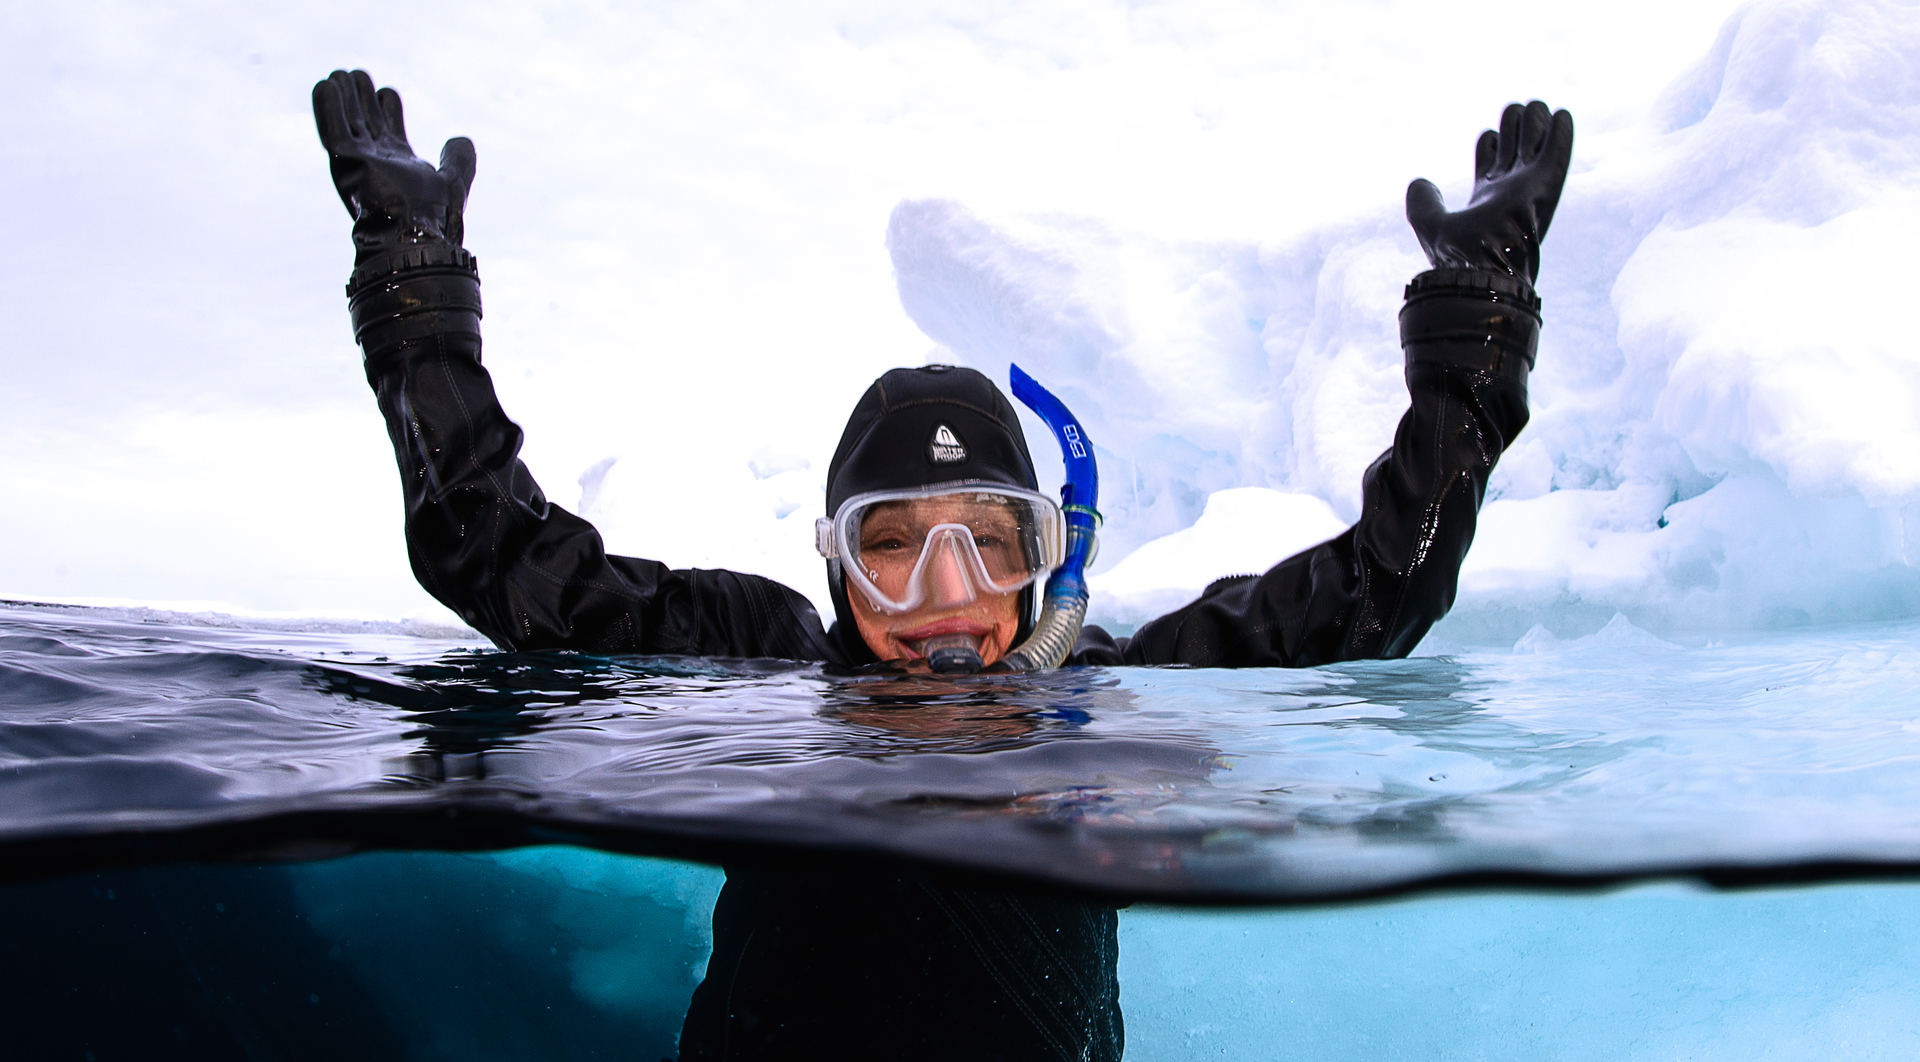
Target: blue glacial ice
column 1660, row 970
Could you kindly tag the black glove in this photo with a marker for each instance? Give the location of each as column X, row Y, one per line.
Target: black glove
column 397, row 200
column 1517, row 174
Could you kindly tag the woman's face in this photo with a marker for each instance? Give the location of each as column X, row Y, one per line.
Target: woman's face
column 891, row 538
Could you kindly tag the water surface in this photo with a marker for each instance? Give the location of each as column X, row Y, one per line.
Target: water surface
column 1617, row 755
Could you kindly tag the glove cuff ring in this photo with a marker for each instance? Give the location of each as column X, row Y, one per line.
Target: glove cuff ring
column 435, row 257
column 1485, row 283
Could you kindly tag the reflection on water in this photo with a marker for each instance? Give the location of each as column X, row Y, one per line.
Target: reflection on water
column 1139, row 782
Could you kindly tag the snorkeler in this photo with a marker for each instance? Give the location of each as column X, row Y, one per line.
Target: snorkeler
column 937, row 541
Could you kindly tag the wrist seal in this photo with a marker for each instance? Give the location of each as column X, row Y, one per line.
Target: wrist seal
column 1485, row 283
column 412, row 293
column 1475, row 318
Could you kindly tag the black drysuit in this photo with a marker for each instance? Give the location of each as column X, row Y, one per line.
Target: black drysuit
column 875, row 964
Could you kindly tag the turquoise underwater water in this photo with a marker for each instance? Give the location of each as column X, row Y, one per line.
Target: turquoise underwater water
column 1480, row 855
column 563, row 953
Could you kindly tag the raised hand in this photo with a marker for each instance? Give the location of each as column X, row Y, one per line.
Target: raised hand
column 396, row 198
column 1517, row 175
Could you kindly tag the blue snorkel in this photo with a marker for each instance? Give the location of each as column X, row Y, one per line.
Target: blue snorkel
column 1065, row 601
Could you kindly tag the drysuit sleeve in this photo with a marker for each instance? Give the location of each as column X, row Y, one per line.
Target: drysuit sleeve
column 1374, row 590
column 482, row 536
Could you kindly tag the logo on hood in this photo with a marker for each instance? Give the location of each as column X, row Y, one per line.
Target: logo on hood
column 946, row 447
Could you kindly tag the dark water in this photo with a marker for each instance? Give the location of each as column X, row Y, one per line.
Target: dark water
column 132, row 741
column 177, row 803
column 382, row 956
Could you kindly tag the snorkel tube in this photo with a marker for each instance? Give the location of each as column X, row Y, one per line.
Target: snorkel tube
column 1065, row 602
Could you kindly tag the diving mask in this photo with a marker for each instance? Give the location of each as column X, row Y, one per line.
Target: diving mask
column 943, row 546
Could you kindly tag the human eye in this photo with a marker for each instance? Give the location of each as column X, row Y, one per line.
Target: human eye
column 997, row 528
column 883, row 543
column 887, row 537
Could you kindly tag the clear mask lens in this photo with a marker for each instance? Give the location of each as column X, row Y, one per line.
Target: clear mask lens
column 944, row 547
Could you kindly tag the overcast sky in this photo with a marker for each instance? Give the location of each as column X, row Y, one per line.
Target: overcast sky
column 679, row 213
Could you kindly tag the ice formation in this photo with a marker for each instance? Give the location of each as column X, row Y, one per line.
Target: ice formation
column 1724, row 432
column 1724, row 409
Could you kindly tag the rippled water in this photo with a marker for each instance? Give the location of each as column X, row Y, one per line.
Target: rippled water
column 1609, row 756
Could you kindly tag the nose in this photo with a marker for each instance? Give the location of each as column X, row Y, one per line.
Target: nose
column 947, row 575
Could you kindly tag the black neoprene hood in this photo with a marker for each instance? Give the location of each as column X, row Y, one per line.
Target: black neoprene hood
column 894, row 441
column 916, row 428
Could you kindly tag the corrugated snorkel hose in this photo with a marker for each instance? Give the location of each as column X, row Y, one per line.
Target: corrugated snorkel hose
column 1064, row 606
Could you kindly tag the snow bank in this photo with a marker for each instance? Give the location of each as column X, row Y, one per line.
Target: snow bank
column 432, row 624
column 1161, row 575
column 1619, row 633
column 1725, row 425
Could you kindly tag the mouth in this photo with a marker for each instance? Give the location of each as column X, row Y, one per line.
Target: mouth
column 948, row 646
column 951, row 625
column 952, row 654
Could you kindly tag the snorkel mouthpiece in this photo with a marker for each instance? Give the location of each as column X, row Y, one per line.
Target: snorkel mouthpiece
column 952, row 654
column 1065, row 607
